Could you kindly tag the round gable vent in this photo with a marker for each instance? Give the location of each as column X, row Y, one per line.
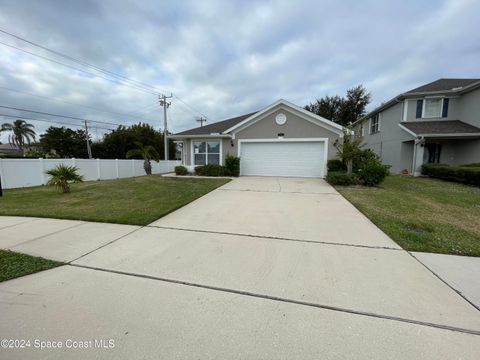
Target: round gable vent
column 281, row 119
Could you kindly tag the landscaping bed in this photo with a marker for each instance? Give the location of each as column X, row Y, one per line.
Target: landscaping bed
column 423, row 214
column 135, row 201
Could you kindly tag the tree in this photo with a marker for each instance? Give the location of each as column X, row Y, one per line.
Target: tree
column 147, row 153
column 62, row 175
column 342, row 110
column 64, row 142
column 116, row 144
column 22, row 132
column 348, row 150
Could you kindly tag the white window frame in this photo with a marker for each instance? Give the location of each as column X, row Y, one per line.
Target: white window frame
column 192, row 152
column 377, row 125
column 424, row 105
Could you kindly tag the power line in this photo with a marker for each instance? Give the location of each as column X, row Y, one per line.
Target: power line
column 83, row 62
column 116, row 81
column 76, row 104
column 52, row 121
column 57, row 115
column 145, row 86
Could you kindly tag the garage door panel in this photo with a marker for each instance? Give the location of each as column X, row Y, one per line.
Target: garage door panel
column 303, row 159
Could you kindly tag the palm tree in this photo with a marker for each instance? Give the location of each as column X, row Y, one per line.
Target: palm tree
column 62, row 175
column 148, row 153
column 21, row 132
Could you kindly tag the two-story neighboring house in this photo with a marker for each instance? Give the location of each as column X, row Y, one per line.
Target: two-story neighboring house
column 435, row 123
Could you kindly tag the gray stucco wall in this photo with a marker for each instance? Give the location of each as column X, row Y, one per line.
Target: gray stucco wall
column 454, row 108
column 470, row 108
column 387, row 143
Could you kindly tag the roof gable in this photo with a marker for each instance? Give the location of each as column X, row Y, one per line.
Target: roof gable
column 306, row 115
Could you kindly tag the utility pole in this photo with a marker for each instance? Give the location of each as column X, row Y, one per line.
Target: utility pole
column 201, row 120
column 89, row 149
column 163, row 102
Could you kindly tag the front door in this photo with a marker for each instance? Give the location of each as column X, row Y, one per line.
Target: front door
column 432, row 153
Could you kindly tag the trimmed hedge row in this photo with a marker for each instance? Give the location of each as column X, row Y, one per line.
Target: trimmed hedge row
column 463, row 174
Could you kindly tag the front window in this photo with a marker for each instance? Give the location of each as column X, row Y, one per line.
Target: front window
column 432, row 108
column 206, row 152
column 374, row 124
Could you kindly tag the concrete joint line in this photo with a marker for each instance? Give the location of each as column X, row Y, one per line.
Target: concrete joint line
column 20, row 223
column 446, row 283
column 275, row 238
column 284, row 300
column 283, row 192
column 49, row 234
column 102, row 246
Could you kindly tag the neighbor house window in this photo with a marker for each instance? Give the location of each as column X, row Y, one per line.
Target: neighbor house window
column 374, row 124
column 206, row 152
column 432, row 108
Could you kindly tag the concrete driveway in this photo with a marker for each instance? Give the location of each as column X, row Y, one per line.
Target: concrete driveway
column 259, row 268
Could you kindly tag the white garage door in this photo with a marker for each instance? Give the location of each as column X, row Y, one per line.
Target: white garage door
column 302, row 159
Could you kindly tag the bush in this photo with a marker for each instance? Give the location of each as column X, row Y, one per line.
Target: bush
column 232, row 165
column 373, row 173
column 477, row 165
column 210, row 170
column 340, row 178
column 181, row 170
column 363, row 158
column 336, row 165
column 463, row 174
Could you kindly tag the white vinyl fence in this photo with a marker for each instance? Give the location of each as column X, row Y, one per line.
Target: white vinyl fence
column 15, row 173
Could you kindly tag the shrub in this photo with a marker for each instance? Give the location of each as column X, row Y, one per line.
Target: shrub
column 373, row 173
column 210, row 170
column 477, row 165
column 232, row 165
column 363, row 158
column 340, row 178
column 336, row 165
column 181, row 170
column 62, row 175
column 463, row 174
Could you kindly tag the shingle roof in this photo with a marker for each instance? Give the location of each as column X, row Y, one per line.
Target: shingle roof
column 217, row 127
column 443, row 85
column 440, row 127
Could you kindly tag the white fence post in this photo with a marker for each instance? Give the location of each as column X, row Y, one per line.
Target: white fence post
column 2, row 177
column 74, row 163
column 133, row 167
column 42, row 172
column 116, row 168
column 99, row 174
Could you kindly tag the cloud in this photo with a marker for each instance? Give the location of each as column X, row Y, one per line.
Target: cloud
column 226, row 58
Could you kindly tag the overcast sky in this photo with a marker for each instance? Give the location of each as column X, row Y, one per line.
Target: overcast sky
column 226, row 58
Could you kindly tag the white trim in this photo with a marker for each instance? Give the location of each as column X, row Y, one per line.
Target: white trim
column 192, row 158
column 306, row 115
column 227, row 136
column 441, row 107
column 324, row 140
column 452, row 135
column 405, row 110
column 407, row 130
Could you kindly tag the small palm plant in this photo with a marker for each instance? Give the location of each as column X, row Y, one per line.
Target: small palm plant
column 148, row 153
column 62, row 175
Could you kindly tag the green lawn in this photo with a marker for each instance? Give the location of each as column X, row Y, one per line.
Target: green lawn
column 13, row 265
column 136, row 201
column 423, row 214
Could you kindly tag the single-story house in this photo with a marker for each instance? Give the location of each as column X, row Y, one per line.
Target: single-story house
column 283, row 139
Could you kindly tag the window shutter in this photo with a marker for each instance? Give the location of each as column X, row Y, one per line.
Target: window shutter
column 445, row 107
column 419, row 108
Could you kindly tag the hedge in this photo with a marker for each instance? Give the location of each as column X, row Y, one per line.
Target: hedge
column 463, row 174
column 340, row 178
column 181, row 170
column 211, row 170
column 232, row 165
column 336, row 165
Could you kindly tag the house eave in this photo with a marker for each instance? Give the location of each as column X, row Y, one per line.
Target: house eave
column 200, row 136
